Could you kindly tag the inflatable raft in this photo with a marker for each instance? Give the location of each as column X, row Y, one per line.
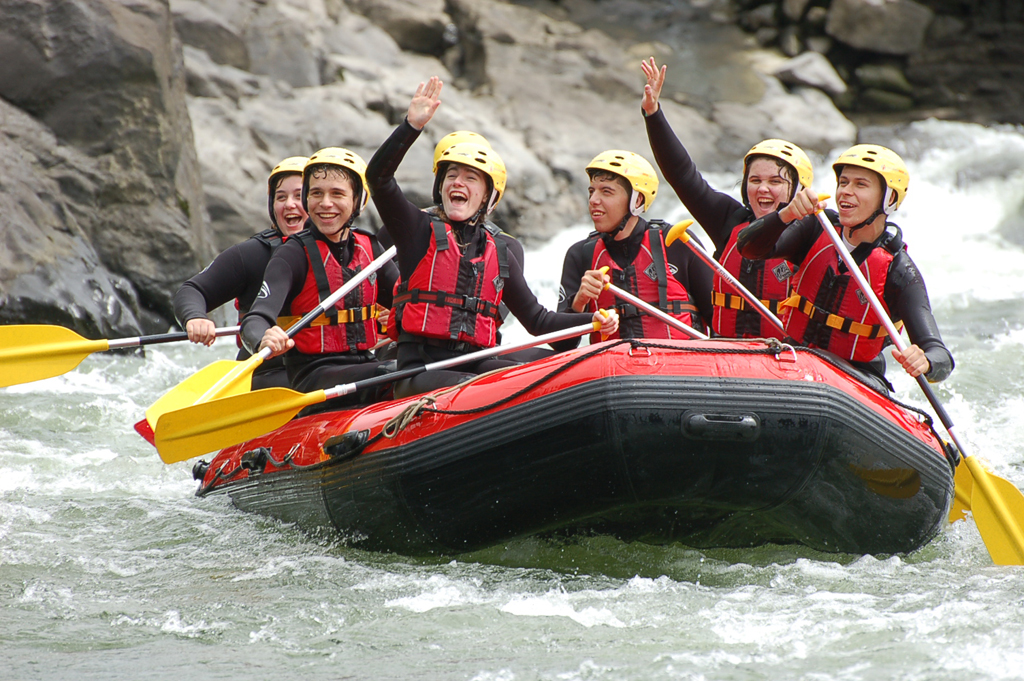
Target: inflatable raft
column 707, row 443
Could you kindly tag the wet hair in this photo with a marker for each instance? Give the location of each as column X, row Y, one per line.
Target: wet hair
column 328, row 170
column 598, row 174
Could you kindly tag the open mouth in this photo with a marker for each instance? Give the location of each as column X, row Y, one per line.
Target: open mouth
column 293, row 219
column 458, row 198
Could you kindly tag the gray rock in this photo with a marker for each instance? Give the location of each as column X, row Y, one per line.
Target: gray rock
column 281, row 44
column 49, row 271
column 199, row 26
column 819, row 43
column 813, row 70
column 794, row 9
column 417, row 27
column 790, row 42
column 886, row 77
column 884, row 26
column 107, row 78
column 883, row 100
column 808, row 118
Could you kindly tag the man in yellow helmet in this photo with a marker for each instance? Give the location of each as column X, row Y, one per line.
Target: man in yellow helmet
column 828, row 310
column 773, row 172
column 237, row 273
column 623, row 185
column 311, row 265
column 456, row 271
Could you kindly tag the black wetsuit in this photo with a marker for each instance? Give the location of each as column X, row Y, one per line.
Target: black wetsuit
column 691, row 272
column 904, row 294
column 237, row 273
column 284, row 278
column 410, row 229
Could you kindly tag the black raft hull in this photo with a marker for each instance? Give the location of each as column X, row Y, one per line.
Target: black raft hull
column 711, row 445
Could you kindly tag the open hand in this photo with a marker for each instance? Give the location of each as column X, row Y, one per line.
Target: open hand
column 425, row 102
column 655, row 81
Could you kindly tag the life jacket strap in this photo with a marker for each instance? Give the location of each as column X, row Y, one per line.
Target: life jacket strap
column 445, row 299
column 834, row 321
column 345, row 316
column 736, row 302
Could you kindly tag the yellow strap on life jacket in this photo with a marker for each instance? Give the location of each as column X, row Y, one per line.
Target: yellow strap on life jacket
column 346, row 316
column 736, row 302
column 835, row 321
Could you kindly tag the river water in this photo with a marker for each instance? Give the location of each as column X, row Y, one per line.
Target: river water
column 110, row 568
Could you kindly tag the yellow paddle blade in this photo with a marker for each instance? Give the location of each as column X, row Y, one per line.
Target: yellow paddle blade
column 998, row 509
column 964, row 487
column 207, row 427
column 678, row 231
column 32, row 352
column 188, row 392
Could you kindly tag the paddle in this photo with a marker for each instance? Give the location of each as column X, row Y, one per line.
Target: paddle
column 997, row 505
column 653, row 311
column 678, row 231
column 32, row 352
column 231, row 377
column 196, row 430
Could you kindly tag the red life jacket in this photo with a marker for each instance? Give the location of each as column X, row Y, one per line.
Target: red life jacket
column 349, row 326
column 649, row 278
column 828, row 309
column 769, row 280
column 452, row 297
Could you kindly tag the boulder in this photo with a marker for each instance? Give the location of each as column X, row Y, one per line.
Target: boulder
column 884, row 26
column 199, row 26
column 811, row 69
column 49, row 271
column 785, row 116
column 422, row 27
column 107, row 79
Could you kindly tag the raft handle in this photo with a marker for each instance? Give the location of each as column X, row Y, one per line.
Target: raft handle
column 735, row 427
column 346, row 445
column 783, row 348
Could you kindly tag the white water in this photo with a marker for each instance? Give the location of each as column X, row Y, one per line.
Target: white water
column 110, row 567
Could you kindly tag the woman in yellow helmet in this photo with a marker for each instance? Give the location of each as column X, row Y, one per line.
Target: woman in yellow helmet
column 238, row 272
column 828, row 310
column 455, row 270
column 774, row 171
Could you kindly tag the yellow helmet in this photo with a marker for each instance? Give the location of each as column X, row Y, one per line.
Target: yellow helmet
column 336, row 156
column 457, row 137
column 293, row 165
column 883, row 161
column 478, row 156
column 788, row 153
column 637, row 171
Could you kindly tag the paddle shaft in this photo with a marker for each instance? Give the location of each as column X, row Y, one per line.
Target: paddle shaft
column 740, row 288
column 348, row 388
column 980, row 475
column 655, row 312
column 164, row 338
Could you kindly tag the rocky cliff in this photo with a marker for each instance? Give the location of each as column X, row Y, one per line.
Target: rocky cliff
column 136, row 135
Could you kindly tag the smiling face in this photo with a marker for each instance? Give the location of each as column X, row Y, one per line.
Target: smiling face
column 288, row 211
column 858, row 195
column 463, row 191
column 330, row 200
column 608, row 203
column 768, row 186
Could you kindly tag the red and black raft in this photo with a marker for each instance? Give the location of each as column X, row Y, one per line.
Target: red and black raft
column 707, row 443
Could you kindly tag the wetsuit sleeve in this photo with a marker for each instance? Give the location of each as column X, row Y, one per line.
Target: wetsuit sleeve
column 407, row 225
column 695, row 276
column 534, row 317
column 573, row 268
column 770, row 237
column 387, row 276
column 223, row 280
column 714, row 210
column 283, row 279
column 907, row 297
